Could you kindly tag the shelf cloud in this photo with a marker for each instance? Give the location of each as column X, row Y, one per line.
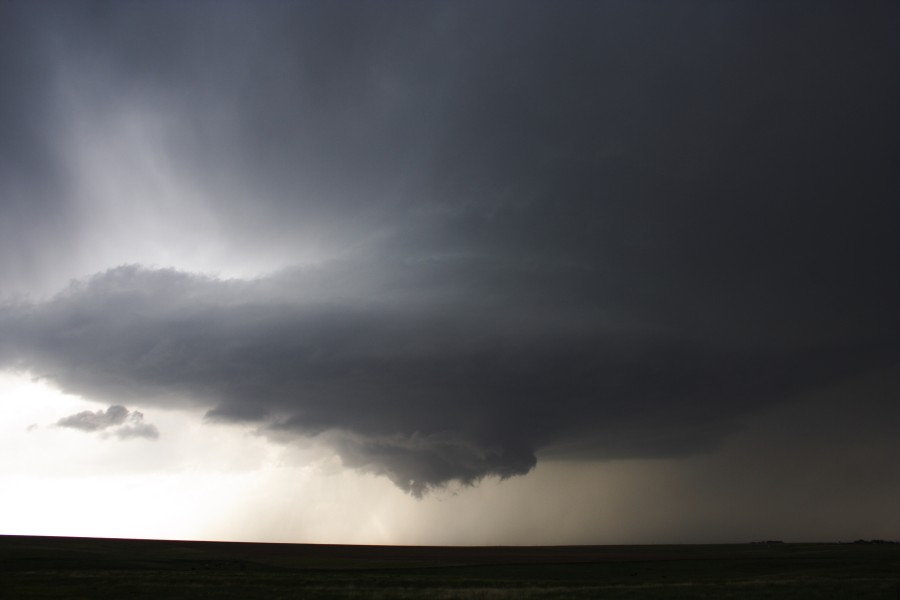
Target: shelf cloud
column 428, row 375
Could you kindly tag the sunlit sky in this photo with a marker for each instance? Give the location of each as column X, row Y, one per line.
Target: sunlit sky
column 450, row 272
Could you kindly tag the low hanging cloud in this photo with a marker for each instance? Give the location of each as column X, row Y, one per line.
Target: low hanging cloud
column 95, row 421
column 425, row 373
column 116, row 420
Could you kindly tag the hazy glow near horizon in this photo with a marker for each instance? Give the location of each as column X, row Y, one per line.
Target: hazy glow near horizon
column 195, row 482
column 207, row 482
column 213, row 482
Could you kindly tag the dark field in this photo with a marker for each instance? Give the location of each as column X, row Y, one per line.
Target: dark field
column 48, row 567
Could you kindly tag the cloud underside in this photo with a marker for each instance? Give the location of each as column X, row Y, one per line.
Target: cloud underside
column 403, row 377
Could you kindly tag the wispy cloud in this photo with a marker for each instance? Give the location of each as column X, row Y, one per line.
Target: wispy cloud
column 116, row 420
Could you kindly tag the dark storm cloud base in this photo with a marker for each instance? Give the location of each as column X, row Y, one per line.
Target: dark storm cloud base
column 422, row 375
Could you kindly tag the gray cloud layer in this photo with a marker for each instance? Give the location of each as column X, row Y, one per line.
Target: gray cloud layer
column 595, row 229
column 425, row 374
column 116, row 419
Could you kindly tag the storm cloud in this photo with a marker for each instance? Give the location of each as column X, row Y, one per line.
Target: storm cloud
column 427, row 373
column 447, row 239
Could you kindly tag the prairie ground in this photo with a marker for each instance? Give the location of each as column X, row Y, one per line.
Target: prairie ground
column 47, row 567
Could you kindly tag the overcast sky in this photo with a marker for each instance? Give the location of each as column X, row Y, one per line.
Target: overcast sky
column 451, row 272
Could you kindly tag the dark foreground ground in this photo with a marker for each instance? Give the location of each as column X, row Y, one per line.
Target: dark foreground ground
column 48, row 567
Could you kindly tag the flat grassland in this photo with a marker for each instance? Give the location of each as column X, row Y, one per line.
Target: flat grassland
column 54, row 567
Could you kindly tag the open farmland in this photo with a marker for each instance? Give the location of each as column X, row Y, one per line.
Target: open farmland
column 50, row 567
